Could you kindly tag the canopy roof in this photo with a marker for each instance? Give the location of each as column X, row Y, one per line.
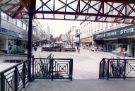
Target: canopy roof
column 118, row 11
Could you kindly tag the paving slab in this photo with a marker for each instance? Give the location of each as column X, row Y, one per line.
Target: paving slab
column 82, row 85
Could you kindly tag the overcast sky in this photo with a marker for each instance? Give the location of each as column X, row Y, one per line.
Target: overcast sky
column 58, row 27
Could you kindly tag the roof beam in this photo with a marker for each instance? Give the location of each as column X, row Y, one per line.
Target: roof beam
column 16, row 13
column 117, row 1
column 80, row 9
column 75, row 13
column 32, row 5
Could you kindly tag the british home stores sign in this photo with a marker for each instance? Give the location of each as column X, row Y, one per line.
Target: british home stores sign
column 125, row 31
column 8, row 32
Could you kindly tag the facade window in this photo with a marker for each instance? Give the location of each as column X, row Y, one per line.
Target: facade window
column 24, row 26
column 10, row 19
column 27, row 27
column 7, row 18
column 3, row 16
column 14, row 21
column 19, row 23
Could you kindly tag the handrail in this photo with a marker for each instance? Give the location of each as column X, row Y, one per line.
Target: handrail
column 25, row 55
column 49, row 56
column 12, row 77
column 12, row 67
column 62, row 58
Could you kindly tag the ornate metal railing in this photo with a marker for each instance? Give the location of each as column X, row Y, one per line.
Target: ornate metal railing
column 62, row 68
column 42, row 67
column 14, row 78
column 53, row 68
column 117, row 68
column 103, row 68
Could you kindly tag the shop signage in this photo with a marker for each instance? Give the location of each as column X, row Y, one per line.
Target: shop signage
column 8, row 32
column 86, row 40
column 126, row 31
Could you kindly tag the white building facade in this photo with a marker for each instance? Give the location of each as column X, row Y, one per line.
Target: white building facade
column 14, row 34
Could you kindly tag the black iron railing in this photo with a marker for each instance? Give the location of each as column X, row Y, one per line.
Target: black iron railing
column 102, row 68
column 62, row 68
column 117, row 68
column 14, row 78
column 42, row 67
column 53, row 68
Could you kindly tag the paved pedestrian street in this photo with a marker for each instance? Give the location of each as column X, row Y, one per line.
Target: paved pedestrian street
column 86, row 63
column 85, row 75
column 81, row 85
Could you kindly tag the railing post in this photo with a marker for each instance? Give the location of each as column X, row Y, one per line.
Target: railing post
column 2, row 83
column 71, row 69
column 51, row 64
column 24, row 74
column 33, row 68
column 100, row 70
column 103, row 67
column 16, row 79
column 125, row 62
column 49, row 68
column 108, row 62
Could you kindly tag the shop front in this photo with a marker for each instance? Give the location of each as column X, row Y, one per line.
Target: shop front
column 86, row 42
column 119, row 41
column 6, row 39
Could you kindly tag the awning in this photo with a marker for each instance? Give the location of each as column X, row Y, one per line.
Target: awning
column 116, row 33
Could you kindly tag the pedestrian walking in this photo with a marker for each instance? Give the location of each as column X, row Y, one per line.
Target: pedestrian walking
column 122, row 50
column 35, row 47
column 78, row 49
